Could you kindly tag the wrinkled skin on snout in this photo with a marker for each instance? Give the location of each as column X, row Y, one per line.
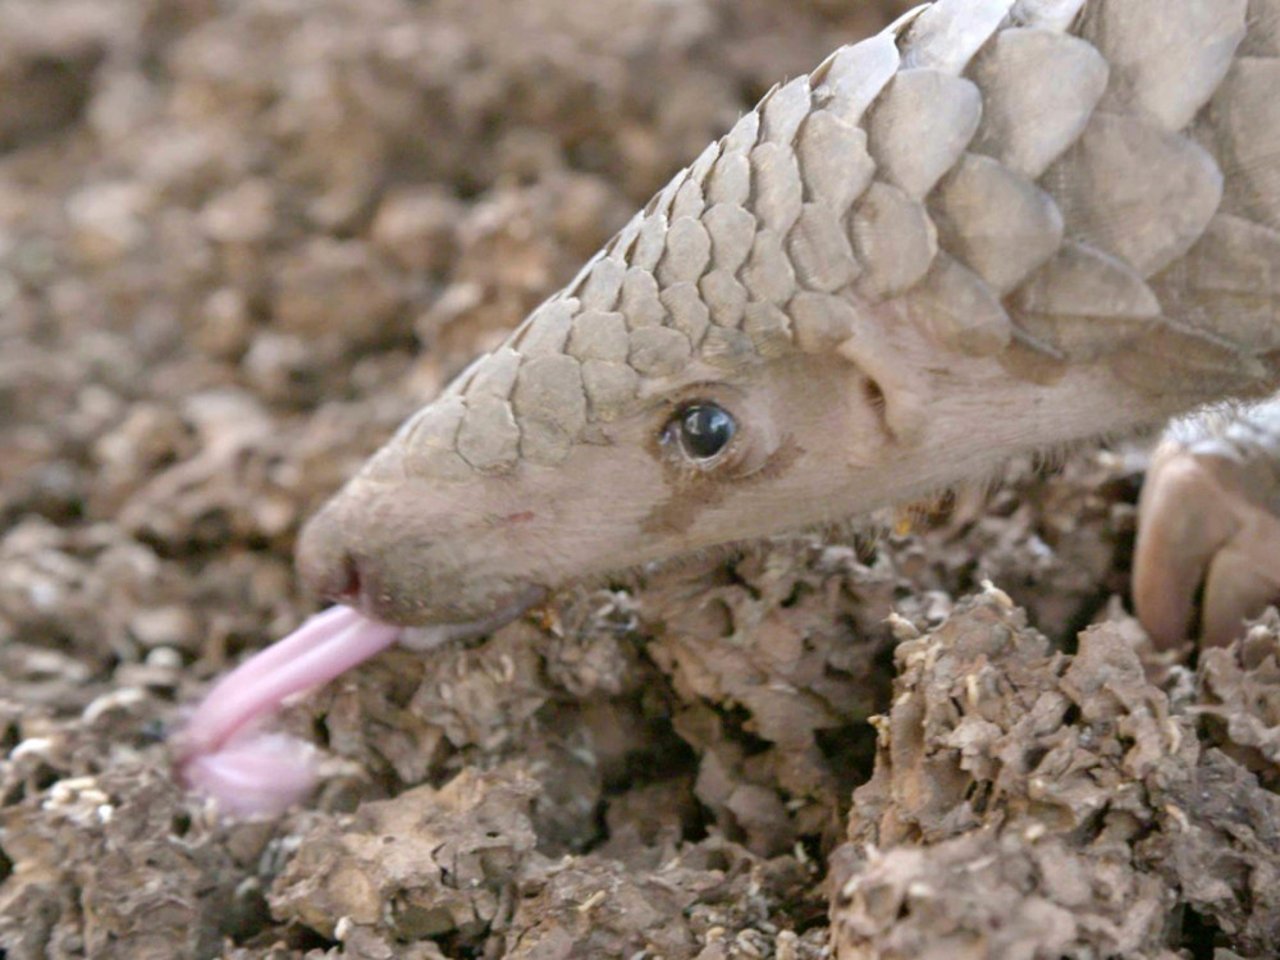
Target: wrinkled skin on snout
column 414, row 549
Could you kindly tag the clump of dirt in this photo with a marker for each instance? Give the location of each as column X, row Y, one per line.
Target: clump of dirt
column 1031, row 803
column 239, row 242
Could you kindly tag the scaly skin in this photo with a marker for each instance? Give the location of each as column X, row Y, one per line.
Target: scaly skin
column 999, row 226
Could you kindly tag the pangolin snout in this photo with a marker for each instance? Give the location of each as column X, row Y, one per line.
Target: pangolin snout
column 401, row 557
column 325, row 562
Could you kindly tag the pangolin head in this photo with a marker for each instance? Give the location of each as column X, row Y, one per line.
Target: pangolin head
column 625, row 421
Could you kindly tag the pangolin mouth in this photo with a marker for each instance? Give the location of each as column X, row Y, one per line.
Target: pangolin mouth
column 434, row 635
column 223, row 750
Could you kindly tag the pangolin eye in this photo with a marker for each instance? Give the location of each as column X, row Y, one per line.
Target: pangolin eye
column 704, row 430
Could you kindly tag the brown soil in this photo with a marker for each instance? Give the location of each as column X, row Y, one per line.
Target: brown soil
column 239, row 241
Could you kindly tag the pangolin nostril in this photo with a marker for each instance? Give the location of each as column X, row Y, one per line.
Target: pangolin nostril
column 326, row 562
column 348, row 581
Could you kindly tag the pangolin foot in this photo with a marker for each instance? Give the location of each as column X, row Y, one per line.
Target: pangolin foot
column 1209, row 517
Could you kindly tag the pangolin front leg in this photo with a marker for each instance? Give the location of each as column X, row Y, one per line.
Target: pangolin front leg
column 1210, row 515
column 1000, row 226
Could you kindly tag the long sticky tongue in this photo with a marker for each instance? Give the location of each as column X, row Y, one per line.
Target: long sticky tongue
column 222, row 753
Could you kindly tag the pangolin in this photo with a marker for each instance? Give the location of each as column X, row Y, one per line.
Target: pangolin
column 998, row 226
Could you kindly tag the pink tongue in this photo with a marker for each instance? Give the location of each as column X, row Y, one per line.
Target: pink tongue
column 221, row 751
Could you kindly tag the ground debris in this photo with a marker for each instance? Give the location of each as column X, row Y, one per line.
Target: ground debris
column 1239, row 697
column 1013, row 780
column 119, row 865
column 429, row 863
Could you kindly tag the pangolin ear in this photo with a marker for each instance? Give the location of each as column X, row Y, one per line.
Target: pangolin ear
column 899, row 381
